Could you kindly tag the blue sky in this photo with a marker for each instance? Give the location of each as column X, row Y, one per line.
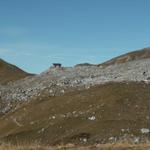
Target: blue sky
column 36, row 33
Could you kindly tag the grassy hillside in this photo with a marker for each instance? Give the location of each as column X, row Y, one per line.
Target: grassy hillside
column 10, row 72
column 100, row 114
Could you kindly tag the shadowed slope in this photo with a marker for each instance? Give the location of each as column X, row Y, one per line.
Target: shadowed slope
column 9, row 72
column 100, row 114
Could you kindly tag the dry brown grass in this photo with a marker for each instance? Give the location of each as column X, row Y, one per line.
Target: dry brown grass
column 120, row 146
column 135, row 55
column 42, row 128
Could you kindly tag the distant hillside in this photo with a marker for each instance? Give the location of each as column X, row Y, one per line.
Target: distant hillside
column 9, row 72
column 135, row 55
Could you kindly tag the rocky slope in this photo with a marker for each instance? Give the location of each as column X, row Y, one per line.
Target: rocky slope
column 57, row 81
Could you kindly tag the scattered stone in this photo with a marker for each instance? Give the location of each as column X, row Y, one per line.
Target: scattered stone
column 92, row 118
column 145, row 130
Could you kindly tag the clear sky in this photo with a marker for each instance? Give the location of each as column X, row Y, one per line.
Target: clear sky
column 36, row 33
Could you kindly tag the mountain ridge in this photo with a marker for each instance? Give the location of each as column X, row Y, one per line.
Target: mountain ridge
column 130, row 56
